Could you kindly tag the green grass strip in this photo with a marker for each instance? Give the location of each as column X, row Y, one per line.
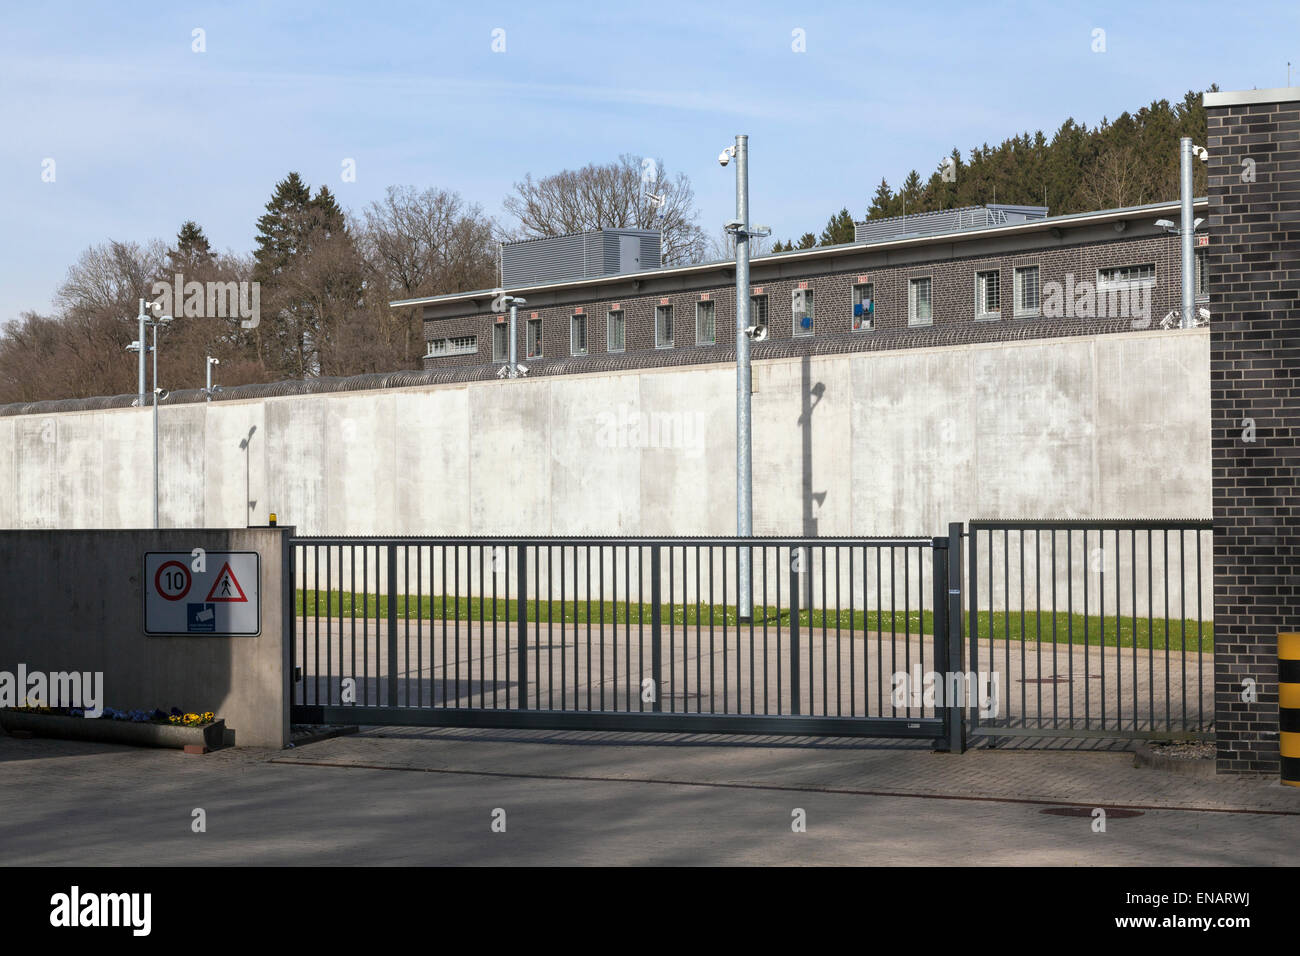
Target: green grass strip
column 1158, row 633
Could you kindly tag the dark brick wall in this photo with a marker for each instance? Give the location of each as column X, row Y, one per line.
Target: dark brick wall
column 953, row 297
column 1254, row 360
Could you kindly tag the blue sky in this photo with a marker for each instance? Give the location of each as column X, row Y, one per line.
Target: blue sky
column 146, row 133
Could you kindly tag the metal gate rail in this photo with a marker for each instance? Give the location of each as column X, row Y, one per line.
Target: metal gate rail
column 626, row 633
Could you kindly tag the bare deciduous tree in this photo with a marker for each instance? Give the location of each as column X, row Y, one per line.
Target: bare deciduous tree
column 613, row 195
column 418, row 244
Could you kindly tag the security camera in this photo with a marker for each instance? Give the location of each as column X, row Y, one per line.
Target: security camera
column 724, row 157
column 1201, row 153
column 523, row 369
column 1203, row 314
column 756, row 332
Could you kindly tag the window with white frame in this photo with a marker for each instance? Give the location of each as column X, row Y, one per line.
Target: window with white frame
column 664, row 327
column 460, row 345
column 706, row 332
column 801, row 309
column 758, row 311
column 1027, row 291
column 919, row 311
column 988, row 294
column 615, row 331
column 534, row 343
column 864, row 307
column 1121, row 277
column 578, row 335
column 1202, row 273
column 500, row 342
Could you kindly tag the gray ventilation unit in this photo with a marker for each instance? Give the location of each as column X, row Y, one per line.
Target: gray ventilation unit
column 579, row 255
column 945, row 220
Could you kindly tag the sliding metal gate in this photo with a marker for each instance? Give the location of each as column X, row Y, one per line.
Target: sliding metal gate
column 1094, row 628
column 628, row 634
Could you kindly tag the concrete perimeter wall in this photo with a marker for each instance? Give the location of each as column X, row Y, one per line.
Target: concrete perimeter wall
column 76, row 604
column 888, row 442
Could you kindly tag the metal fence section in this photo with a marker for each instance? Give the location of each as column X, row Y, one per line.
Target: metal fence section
column 628, row 634
column 1093, row 628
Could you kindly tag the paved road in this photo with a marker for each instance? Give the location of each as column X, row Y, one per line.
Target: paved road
column 400, row 796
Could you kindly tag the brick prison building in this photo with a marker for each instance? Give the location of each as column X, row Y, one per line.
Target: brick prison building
column 598, row 302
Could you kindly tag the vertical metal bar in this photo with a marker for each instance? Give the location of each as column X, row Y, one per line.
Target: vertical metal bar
column 587, row 591
column 939, row 600
column 352, row 573
column 795, row 590
column 825, row 709
column 699, row 684
column 392, row 625
column 1182, row 614
column 656, row 628
column 672, row 622
column 365, row 619
column 1024, row 705
column 1069, row 610
column 1133, row 599
column 953, row 635
column 315, row 608
column 853, row 664
column 550, row 630
column 482, row 629
column 406, row 623
column 496, row 654
column 291, row 610
column 1200, row 643
column 972, row 590
column 1164, row 568
column 521, row 622
column 600, row 551
column 446, row 666
column 726, row 700
column 456, row 626
column 767, row 695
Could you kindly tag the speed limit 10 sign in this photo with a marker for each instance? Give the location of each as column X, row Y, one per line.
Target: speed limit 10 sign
column 202, row 593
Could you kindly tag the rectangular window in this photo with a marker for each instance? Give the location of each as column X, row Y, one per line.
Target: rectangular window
column 501, row 342
column 864, row 307
column 578, row 335
column 1123, row 276
column 461, row 345
column 616, row 331
column 534, row 338
column 988, row 295
column 664, row 327
column 758, row 311
column 801, row 307
column 919, row 310
column 1027, row 290
column 1202, row 275
column 705, row 331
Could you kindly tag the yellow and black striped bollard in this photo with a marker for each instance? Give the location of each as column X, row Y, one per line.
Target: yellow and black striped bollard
column 1288, row 705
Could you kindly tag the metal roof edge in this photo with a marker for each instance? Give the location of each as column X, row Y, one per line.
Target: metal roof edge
column 1034, row 225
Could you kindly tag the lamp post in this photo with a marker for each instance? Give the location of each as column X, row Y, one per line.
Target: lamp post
column 153, row 324
column 514, row 302
column 1186, row 228
column 742, row 230
column 210, row 391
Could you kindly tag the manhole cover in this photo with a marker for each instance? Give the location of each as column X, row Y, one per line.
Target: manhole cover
column 1111, row 813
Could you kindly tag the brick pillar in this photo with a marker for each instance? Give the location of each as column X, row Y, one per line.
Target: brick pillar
column 1254, row 274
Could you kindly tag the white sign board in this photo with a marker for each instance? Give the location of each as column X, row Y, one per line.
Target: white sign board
column 212, row 594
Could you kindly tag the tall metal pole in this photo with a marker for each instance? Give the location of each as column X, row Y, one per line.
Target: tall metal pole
column 514, row 340
column 140, row 400
column 1187, row 227
column 744, row 457
column 155, row 423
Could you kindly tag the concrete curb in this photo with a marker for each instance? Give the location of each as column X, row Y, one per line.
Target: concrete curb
column 1146, row 756
column 139, row 734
